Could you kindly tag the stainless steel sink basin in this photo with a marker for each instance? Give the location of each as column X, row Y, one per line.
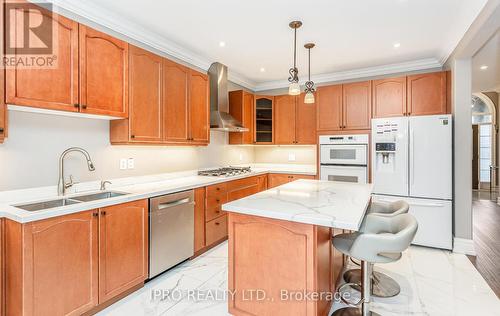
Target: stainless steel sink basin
column 97, row 196
column 33, row 207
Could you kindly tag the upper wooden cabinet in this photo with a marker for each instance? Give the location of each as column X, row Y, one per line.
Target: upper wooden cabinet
column 329, row 108
column 294, row 121
column 144, row 124
column 356, row 109
column 264, row 120
column 241, row 107
column 123, row 248
column 427, row 94
column 305, row 123
column 103, row 73
column 175, row 101
column 48, row 272
column 284, row 119
column 389, row 97
column 199, row 107
column 54, row 88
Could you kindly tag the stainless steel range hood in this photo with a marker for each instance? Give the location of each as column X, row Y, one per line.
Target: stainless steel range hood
column 220, row 119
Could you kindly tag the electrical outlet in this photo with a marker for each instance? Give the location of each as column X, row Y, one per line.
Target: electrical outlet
column 131, row 163
column 123, row 164
column 291, row 157
column 241, row 157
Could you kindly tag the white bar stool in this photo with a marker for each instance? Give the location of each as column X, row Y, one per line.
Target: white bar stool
column 382, row 241
column 382, row 284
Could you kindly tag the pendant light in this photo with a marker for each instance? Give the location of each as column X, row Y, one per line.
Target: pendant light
column 309, row 98
column 294, row 88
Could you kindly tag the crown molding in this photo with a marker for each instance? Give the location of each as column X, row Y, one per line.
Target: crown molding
column 134, row 31
column 415, row 65
column 241, row 80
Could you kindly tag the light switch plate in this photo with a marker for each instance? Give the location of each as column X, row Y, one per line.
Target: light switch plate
column 123, row 164
column 131, row 163
column 291, row 157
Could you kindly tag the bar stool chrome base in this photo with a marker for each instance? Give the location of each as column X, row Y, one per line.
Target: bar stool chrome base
column 353, row 311
column 382, row 285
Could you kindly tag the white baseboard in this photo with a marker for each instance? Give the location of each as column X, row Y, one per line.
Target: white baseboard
column 464, row 246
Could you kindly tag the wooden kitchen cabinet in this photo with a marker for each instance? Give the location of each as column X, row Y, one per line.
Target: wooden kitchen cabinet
column 123, row 248
column 305, row 123
column 103, row 73
column 329, row 108
column 144, row 124
column 3, row 121
column 199, row 219
column 356, row 108
column 2, row 268
column 295, row 121
column 284, row 119
column 216, row 230
column 241, row 107
column 175, row 101
column 52, row 266
column 199, row 107
column 277, row 179
column 264, row 120
column 427, row 94
column 389, row 97
column 54, row 88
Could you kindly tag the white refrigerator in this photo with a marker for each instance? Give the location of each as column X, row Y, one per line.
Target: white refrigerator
column 412, row 161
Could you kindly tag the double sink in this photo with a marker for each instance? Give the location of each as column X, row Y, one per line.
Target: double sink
column 40, row 206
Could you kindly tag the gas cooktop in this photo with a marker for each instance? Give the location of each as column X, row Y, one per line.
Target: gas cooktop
column 225, row 171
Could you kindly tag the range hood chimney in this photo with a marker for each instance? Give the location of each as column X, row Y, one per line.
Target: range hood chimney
column 220, row 119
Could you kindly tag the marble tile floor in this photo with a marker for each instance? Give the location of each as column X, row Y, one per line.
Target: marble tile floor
column 433, row 282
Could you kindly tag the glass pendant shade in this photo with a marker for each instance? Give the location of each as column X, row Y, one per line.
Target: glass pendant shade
column 294, row 88
column 309, row 97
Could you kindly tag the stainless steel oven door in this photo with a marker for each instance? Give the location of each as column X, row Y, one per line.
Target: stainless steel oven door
column 344, row 154
column 354, row 174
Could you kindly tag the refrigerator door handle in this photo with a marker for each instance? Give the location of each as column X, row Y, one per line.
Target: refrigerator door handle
column 412, row 203
column 412, row 159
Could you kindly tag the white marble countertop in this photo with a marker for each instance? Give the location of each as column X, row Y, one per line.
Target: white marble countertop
column 324, row 203
column 137, row 188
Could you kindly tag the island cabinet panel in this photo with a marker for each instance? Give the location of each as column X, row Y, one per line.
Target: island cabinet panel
column 284, row 119
column 356, row 111
column 55, row 87
column 277, row 179
column 337, row 259
column 103, row 73
column 329, row 108
column 2, row 269
column 145, row 98
column 199, row 219
column 123, row 248
column 241, row 107
column 199, row 112
column 389, row 97
column 52, row 266
column 292, row 257
column 305, row 125
column 427, row 94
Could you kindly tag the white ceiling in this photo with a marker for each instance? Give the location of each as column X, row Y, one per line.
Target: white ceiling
column 353, row 37
column 484, row 80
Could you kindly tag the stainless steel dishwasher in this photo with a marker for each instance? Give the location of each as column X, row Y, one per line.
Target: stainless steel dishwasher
column 171, row 231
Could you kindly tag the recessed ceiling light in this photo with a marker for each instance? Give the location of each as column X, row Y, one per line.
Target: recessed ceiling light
column 483, row 67
column 262, row 69
column 396, row 45
column 222, row 44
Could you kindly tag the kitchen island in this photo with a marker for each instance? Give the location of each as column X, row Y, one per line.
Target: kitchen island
column 281, row 261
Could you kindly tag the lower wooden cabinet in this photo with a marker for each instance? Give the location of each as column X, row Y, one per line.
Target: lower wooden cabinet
column 123, row 248
column 199, row 219
column 3, row 121
column 67, row 265
column 277, row 179
column 216, row 230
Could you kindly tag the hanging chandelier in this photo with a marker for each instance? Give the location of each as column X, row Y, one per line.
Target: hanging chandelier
column 294, row 88
column 309, row 97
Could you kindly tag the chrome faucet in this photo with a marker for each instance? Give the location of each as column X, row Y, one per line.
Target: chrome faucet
column 62, row 186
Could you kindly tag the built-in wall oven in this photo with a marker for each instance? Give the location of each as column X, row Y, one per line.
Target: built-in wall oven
column 344, row 158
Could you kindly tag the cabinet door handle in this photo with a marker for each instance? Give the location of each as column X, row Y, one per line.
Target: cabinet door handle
column 132, row 136
column 217, row 200
column 1, row 130
column 76, row 105
column 217, row 223
column 95, row 214
column 84, row 106
column 103, row 213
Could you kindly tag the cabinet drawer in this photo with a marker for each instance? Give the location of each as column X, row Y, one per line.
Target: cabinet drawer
column 216, row 230
column 216, row 189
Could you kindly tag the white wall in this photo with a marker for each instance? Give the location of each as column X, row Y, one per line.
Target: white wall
column 29, row 156
column 280, row 154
